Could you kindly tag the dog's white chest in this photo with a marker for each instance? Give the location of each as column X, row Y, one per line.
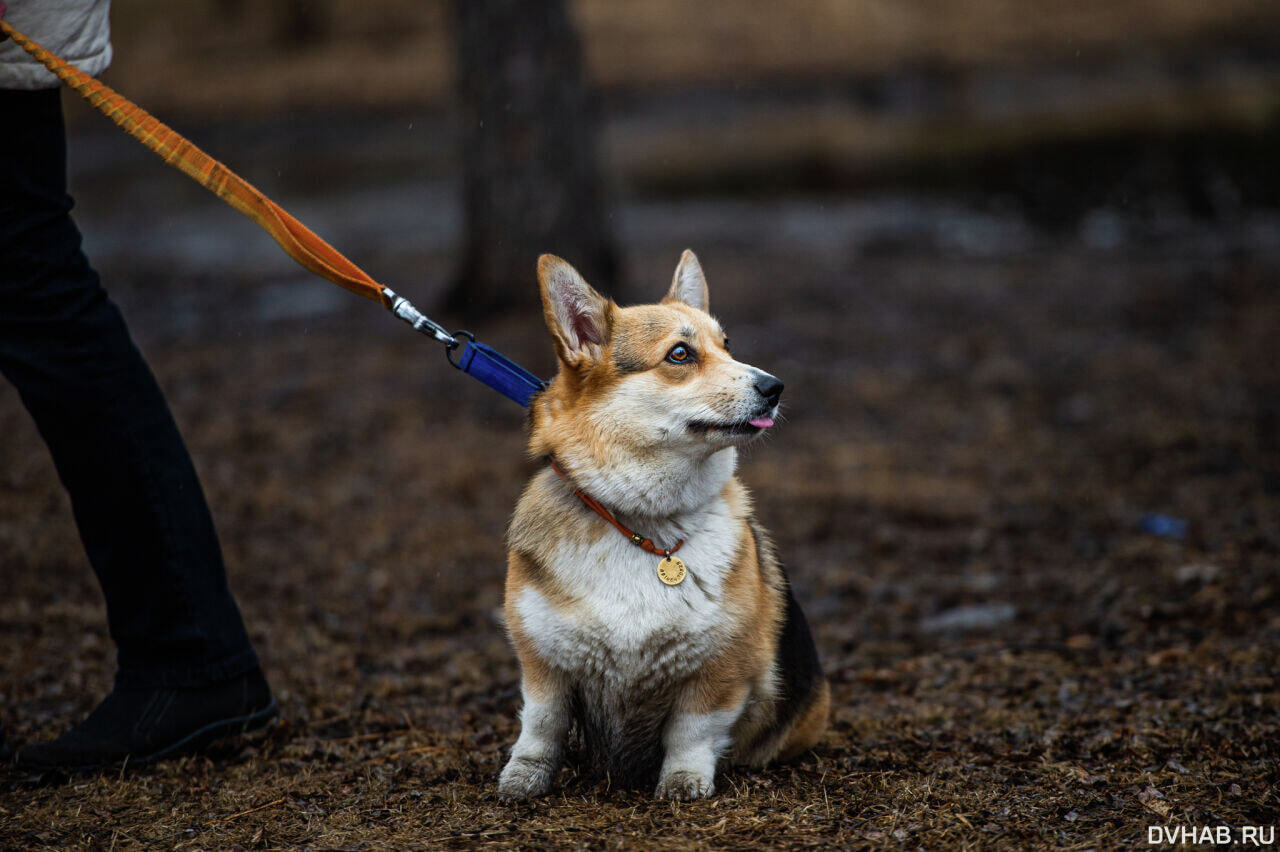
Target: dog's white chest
column 624, row 624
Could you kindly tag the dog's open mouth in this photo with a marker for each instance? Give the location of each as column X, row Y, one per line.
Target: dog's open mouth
column 737, row 427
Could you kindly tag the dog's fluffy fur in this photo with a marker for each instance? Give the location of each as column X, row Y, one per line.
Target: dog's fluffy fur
column 663, row 680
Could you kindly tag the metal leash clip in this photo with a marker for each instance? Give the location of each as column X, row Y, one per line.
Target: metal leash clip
column 403, row 308
column 474, row 358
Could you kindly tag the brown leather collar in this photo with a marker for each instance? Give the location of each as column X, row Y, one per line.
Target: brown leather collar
column 636, row 539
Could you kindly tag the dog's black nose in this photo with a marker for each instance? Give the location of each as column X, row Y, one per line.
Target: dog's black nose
column 769, row 387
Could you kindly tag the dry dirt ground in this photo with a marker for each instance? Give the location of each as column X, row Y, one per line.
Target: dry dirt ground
column 979, row 414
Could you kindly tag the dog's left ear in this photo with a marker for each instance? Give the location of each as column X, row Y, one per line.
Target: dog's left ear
column 689, row 285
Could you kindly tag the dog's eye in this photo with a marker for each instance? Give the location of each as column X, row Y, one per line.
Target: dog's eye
column 680, row 354
column 726, row 344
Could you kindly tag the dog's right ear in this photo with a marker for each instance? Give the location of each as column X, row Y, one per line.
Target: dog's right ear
column 577, row 315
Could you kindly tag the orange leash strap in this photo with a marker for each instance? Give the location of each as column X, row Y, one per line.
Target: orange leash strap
column 295, row 238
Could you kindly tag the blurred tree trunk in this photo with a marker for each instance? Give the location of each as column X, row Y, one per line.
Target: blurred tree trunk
column 301, row 23
column 532, row 181
column 295, row 23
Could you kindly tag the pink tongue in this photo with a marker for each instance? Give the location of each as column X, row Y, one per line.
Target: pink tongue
column 761, row 422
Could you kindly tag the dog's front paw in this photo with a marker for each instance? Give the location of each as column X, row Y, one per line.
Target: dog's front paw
column 524, row 778
column 685, row 785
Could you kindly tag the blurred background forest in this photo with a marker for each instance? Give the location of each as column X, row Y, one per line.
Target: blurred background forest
column 1018, row 264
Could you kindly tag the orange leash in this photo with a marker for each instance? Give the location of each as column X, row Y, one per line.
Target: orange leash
column 295, row 238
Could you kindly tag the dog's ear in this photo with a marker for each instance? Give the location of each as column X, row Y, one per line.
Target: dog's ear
column 689, row 285
column 577, row 315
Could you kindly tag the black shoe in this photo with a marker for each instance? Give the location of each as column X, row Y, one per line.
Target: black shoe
column 145, row 724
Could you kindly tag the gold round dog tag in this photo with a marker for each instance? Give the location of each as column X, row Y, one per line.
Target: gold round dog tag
column 671, row 571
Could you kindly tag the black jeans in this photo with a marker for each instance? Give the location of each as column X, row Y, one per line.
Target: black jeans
column 137, row 502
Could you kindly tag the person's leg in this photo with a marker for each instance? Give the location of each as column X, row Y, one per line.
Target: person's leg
column 137, row 501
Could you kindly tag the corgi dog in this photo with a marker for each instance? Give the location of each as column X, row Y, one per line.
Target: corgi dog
column 644, row 601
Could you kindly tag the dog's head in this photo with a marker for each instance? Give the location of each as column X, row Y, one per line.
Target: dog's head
column 640, row 382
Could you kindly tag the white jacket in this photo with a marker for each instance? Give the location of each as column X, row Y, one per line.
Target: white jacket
column 76, row 30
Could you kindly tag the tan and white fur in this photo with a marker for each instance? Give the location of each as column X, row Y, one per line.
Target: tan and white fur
column 646, row 415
